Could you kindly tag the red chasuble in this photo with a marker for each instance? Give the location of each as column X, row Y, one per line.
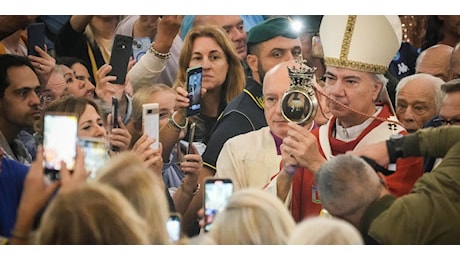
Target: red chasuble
column 305, row 197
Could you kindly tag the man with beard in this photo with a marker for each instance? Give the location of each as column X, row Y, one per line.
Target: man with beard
column 20, row 104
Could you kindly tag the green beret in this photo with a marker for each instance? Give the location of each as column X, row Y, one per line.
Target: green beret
column 271, row 28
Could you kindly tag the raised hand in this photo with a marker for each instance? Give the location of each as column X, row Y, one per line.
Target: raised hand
column 119, row 137
column 152, row 157
column 43, row 64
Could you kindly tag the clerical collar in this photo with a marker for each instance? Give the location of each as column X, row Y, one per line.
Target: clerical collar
column 351, row 133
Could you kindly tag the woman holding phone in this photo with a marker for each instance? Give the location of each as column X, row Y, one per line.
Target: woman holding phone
column 90, row 123
column 222, row 78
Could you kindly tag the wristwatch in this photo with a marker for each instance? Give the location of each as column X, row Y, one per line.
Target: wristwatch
column 395, row 149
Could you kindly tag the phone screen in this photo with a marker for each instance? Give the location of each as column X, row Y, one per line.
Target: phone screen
column 122, row 50
column 173, row 227
column 59, row 142
column 96, row 154
column 216, row 194
column 35, row 36
column 150, row 120
column 194, row 79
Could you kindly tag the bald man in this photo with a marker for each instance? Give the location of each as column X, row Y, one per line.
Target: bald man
column 251, row 159
column 435, row 61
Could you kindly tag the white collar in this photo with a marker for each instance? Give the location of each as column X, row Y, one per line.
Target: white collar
column 351, row 133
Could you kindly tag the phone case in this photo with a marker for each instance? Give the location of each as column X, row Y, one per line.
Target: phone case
column 217, row 191
column 35, row 36
column 115, row 113
column 140, row 47
column 59, row 142
column 194, row 79
column 150, row 121
column 122, row 49
column 191, row 137
column 115, row 120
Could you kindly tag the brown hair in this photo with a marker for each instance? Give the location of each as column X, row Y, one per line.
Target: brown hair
column 68, row 104
column 235, row 80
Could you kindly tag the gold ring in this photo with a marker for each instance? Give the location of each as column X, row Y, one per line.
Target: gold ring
column 41, row 66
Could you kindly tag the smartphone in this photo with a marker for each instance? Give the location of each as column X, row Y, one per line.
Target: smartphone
column 194, row 78
column 96, row 154
column 122, row 50
column 35, row 36
column 191, row 137
column 59, row 142
column 150, row 122
column 173, row 226
column 217, row 191
column 140, row 47
column 115, row 120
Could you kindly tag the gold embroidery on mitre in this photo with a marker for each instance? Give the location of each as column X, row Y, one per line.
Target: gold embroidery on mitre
column 348, row 34
column 355, row 65
column 343, row 60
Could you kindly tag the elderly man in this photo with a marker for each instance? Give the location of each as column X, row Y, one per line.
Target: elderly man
column 270, row 43
column 418, row 99
column 435, row 61
column 356, row 57
column 251, row 159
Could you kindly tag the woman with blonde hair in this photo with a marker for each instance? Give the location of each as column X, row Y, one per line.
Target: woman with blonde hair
column 180, row 172
column 91, row 214
column 143, row 188
column 252, row 217
column 321, row 230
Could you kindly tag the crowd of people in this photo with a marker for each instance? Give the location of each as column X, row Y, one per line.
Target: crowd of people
column 375, row 163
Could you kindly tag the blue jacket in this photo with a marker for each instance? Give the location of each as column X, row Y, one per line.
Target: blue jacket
column 12, row 176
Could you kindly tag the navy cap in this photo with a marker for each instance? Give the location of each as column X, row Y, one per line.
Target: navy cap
column 271, row 28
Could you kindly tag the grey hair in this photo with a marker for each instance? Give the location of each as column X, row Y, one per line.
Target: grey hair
column 438, row 82
column 380, row 78
column 346, row 183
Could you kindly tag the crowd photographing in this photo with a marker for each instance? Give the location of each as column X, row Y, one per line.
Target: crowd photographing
column 171, row 130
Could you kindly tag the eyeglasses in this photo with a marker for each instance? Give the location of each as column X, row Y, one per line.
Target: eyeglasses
column 454, row 121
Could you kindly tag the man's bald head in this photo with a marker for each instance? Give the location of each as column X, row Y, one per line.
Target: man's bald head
column 435, row 61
